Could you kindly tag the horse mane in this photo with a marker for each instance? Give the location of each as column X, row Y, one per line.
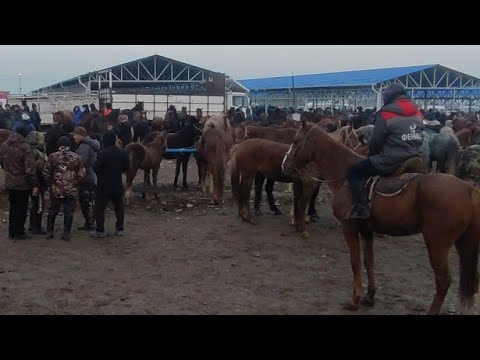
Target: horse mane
column 327, row 150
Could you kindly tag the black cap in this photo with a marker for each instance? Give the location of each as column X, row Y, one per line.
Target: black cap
column 393, row 91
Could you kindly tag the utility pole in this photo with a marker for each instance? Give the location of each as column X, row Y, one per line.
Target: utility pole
column 294, row 97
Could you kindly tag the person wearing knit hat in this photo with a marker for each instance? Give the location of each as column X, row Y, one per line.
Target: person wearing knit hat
column 124, row 130
column 111, row 163
column 25, row 121
column 87, row 150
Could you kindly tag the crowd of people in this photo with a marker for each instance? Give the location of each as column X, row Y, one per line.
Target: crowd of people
column 90, row 175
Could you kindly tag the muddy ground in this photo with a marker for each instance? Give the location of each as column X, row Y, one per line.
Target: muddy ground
column 176, row 259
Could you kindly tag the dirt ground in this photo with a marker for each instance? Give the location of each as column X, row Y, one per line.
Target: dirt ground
column 176, row 259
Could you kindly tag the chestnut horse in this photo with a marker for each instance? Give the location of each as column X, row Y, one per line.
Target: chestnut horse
column 419, row 208
column 65, row 120
column 251, row 158
column 146, row 157
column 213, row 155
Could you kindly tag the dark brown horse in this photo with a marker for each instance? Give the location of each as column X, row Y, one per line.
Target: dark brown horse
column 147, row 158
column 95, row 123
column 419, row 208
column 213, row 155
column 65, row 120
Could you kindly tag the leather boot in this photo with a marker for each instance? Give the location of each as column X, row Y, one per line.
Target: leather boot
column 360, row 209
column 50, row 226
column 67, row 229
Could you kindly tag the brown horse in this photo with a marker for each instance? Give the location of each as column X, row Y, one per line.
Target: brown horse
column 159, row 124
column 281, row 135
column 65, row 120
column 213, row 155
column 419, row 208
column 257, row 156
column 146, row 157
column 469, row 135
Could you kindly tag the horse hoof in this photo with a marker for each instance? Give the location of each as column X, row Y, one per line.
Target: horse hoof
column 305, row 235
column 277, row 212
column 366, row 301
column 258, row 212
column 350, row 307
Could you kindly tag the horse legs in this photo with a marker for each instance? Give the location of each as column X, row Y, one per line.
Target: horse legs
column 184, row 168
column 259, row 181
column 200, row 170
column 271, row 201
column 155, row 179
column 368, row 262
column 146, row 182
column 351, row 235
column 131, row 174
column 312, row 213
column 298, row 215
column 245, row 187
column 439, row 261
column 177, row 172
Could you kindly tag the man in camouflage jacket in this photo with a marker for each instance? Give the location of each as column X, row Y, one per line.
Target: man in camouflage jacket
column 20, row 180
column 63, row 172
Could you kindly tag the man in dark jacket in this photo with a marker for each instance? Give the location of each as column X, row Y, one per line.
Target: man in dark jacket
column 397, row 137
column 111, row 163
column 20, row 180
column 87, row 150
column 35, row 117
column 124, row 130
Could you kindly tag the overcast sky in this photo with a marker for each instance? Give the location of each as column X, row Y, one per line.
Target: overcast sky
column 42, row 65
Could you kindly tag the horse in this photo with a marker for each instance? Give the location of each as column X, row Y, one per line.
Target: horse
column 469, row 135
column 135, row 112
column 364, row 134
column 95, row 123
column 218, row 122
column 146, row 157
column 444, row 148
column 159, row 124
column 65, row 120
column 213, row 155
column 425, row 205
column 249, row 159
column 185, row 138
column 281, row 135
column 468, row 168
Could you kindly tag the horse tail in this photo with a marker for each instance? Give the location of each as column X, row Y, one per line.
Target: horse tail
column 217, row 169
column 234, row 175
column 452, row 156
column 136, row 155
column 468, row 247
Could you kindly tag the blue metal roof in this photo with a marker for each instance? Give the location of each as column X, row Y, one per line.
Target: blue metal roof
column 336, row 79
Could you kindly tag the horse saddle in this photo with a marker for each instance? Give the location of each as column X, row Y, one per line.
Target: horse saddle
column 393, row 185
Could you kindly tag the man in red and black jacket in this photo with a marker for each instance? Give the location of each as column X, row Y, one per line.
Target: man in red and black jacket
column 397, row 137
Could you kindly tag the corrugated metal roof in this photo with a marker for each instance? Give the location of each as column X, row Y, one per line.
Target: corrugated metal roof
column 336, row 79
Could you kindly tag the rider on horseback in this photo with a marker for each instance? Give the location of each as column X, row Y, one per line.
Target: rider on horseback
column 397, row 137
